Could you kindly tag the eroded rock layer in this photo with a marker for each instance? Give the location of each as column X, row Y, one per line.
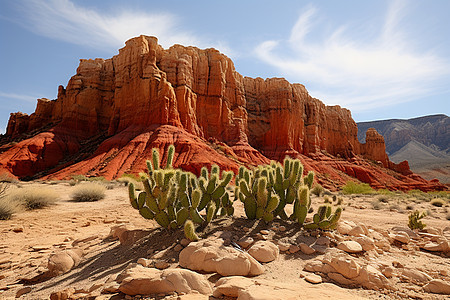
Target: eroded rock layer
column 114, row 111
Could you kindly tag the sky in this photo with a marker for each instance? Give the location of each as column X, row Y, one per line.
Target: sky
column 381, row 59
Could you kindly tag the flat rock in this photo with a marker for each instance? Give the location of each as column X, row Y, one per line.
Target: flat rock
column 139, row 280
column 306, row 249
column 401, row 237
column 212, row 256
column 415, row 275
column 245, row 242
column 443, row 246
column 357, row 231
column 350, row 246
column 437, row 286
column 264, row 251
column 259, row 289
column 313, row 278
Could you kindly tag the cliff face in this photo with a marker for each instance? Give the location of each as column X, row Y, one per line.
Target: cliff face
column 114, row 111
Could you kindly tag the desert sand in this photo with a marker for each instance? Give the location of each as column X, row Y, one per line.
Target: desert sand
column 30, row 238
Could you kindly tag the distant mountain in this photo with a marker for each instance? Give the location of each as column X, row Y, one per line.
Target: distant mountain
column 424, row 142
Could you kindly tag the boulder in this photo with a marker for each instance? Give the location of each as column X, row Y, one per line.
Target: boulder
column 264, row 251
column 139, row 280
column 63, row 262
column 212, row 256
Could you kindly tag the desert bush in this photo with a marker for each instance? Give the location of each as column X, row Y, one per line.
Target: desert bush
column 352, row 187
column 383, row 198
column 7, row 208
column 317, row 190
column 414, row 220
column 437, row 202
column 88, row 192
column 376, row 204
column 34, row 197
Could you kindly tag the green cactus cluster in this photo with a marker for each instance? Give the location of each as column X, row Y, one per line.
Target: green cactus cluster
column 175, row 198
column 267, row 189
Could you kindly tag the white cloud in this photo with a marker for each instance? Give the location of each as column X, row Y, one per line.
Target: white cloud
column 64, row 20
column 356, row 74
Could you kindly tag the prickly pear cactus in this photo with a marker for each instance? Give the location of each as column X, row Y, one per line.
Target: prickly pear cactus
column 174, row 198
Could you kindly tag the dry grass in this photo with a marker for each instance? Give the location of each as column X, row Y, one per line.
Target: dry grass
column 33, row 197
column 7, row 207
column 88, row 192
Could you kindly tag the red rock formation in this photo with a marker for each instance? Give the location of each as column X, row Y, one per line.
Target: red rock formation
column 114, row 111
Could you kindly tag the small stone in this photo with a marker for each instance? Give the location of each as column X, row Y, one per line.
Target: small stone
column 282, row 228
column 23, row 291
column 178, row 248
column 343, row 228
column 306, row 249
column 294, row 248
column 313, row 278
column 185, row 242
column 388, row 272
column 366, row 243
column 18, row 229
column 161, row 264
column 416, row 275
column 443, row 272
column 323, row 240
column 144, row 262
column 245, row 242
column 350, row 247
column 40, row 247
column 265, row 232
column 283, row 246
column 444, row 246
column 357, row 231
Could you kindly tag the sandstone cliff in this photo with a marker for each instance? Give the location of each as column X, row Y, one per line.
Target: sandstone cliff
column 114, row 111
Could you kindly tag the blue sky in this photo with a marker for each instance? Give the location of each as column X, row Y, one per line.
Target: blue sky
column 380, row 59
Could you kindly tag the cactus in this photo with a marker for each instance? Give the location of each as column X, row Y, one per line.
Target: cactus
column 259, row 202
column 189, row 231
column 325, row 219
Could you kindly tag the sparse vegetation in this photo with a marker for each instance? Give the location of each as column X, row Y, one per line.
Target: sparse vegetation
column 317, row 190
column 376, row 204
column 33, row 197
column 7, row 207
column 88, row 192
column 352, row 187
column 415, row 220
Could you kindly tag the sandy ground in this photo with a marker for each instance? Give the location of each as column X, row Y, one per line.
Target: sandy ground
column 30, row 237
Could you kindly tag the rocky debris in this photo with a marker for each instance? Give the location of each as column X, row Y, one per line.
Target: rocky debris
column 23, row 291
column 211, row 255
column 245, row 242
column 264, row 251
column 63, row 262
column 139, row 280
column 366, row 243
column 350, row 246
column 401, row 237
column 415, row 275
column 437, row 286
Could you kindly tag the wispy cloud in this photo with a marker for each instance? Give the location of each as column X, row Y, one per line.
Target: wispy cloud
column 20, row 97
column 67, row 21
column 353, row 73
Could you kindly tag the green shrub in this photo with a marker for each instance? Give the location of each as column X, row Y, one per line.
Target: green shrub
column 414, row 220
column 352, row 187
column 88, row 192
column 437, row 202
column 34, row 197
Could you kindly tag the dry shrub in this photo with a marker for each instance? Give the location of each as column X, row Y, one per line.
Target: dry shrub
column 437, row 202
column 34, row 197
column 88, row 192
column 7, row 207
